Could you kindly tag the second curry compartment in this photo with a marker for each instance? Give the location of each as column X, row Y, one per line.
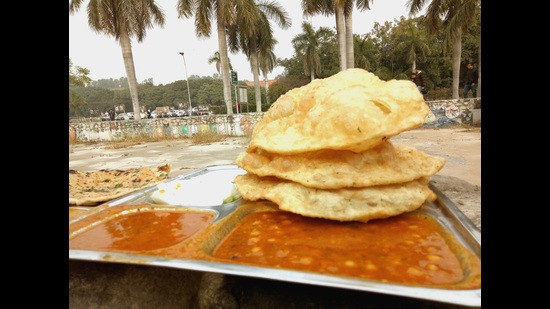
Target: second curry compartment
column 410, row 249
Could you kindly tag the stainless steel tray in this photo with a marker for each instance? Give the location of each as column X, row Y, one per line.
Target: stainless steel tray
column 443, row 210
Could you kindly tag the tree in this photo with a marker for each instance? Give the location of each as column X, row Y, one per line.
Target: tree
column 225, row 12
column 218, row 61
column 78, row 76
column 412, row 41
column 453, row 17
column 123, row 20
column 267, row 61
column 343, row 12
column 306, row 45
column 365, row 52
column 250, row 38
column 76, row 101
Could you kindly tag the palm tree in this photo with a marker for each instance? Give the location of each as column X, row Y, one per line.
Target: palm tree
column 343, row 12
column 453, row 17
column 327, row 8
column 251, row 37
column 225, row 12
column 307, row 44
column 217, row 60
column 364, row 50
column 413, row 43
column 123, row 20
column 361, row 5
column 266, row 62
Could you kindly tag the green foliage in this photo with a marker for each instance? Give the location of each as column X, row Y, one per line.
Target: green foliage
column 78, row 76
column 76, row 103
column 285, row 84
column 111, row 83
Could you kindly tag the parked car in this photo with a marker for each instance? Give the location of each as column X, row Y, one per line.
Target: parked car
column 105, row 117
column 180, row 113
column 122, row 116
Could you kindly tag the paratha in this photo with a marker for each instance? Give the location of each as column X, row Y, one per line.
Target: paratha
column 95, row 187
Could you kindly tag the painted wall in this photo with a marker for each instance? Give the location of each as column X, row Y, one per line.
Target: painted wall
column 453, row 112
column 442, row 113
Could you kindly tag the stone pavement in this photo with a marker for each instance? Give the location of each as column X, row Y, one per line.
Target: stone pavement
column 180, row 154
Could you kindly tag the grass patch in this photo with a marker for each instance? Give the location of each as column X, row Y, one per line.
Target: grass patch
column 206, row 137
column 138, row 140
column 202, row 137
column 128, row 141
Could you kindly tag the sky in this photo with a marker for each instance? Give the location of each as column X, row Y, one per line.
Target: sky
column 158, row 55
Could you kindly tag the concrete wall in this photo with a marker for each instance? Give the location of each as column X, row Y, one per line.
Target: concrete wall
column 442, row 113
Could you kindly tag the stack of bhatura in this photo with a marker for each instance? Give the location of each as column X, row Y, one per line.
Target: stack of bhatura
column 323, row 150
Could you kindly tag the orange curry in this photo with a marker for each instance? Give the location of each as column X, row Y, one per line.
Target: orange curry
column 141, row 231
column 406, row 249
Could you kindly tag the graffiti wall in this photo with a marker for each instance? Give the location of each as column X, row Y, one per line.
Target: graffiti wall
column 451, row 112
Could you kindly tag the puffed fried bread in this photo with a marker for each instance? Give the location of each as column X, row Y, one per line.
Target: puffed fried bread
column 334, row 169
column 350, row 204
column 352, row 110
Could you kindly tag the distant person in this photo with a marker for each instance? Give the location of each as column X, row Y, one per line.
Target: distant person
column 470, row 80
column 112, row 114
column 419, row 80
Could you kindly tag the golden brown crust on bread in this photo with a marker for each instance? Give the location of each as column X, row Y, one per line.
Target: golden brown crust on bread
column 351, row 204
column 351, row 110
column 333, row 169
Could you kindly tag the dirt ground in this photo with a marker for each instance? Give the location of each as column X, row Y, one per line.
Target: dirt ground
column 460, row 178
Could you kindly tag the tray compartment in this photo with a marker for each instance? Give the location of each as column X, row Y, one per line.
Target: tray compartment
column 410, row 249
column 196, row 189
column 139, row 229
column 76, row 212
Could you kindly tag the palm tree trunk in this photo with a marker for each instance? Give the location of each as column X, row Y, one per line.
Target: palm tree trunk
column 255, row 73
column 266, row 80
column 312, row 74
column 222, row 45
column 128, row 58
column 350, row 57
column 457, row 55
column 341, row 33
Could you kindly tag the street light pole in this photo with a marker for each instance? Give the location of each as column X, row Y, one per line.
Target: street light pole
column 188, row 92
